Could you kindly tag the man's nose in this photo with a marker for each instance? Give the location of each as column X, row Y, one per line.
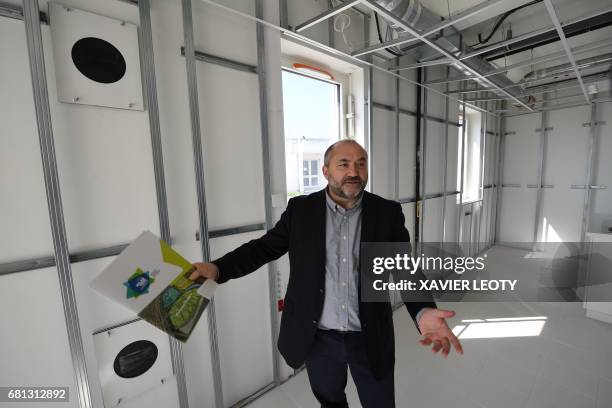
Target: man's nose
column 353, row 170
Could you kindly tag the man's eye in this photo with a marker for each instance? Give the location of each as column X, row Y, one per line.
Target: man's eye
column 343, row 164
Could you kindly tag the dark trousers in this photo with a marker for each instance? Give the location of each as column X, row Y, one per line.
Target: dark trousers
column 326, row 365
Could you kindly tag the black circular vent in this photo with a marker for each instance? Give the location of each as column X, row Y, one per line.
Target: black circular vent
column 135, row 359
column 98, row 60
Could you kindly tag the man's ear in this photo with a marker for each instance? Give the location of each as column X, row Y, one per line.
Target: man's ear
column 326, row 172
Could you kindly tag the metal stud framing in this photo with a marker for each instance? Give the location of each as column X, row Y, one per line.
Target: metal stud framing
column 566, row 47
column 31, row 12
column 423, row 156
column 445, row 160
column 198, row 161
column 463, row 136
column 146, row 38
column 588, row 180
column 265, row 151
column 543, row 135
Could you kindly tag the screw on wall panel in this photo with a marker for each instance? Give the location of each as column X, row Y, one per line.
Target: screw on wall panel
column 76, row 99
column 131, row 104
column 163, row 380
column 109, row 332
column 119, row 400
column 122, row 23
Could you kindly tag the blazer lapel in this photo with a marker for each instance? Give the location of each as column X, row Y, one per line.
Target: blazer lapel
column 318, row 237
column 368, row 218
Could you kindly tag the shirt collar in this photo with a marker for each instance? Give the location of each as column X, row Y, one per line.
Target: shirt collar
column 338, row 208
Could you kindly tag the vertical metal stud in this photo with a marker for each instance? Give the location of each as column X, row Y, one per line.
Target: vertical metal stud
column 148, row 69
column 423, row 154
column 265, row 151
column 588, row 180
column 31, row 12
column 500, row 173
column 198, row 161
column 396, row 140
column 463, row 136
column 542, row 159
column 445, row 157
column 483, row 143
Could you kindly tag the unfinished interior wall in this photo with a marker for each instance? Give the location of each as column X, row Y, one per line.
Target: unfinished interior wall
column 563, row 151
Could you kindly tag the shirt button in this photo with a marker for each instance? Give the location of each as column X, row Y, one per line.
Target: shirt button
column 344, row 237
column 321, row 290
column 343, row 283
column 314, row 321
column 343, row 259
column 344, row 306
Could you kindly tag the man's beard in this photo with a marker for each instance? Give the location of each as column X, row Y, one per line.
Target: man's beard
column 337, row 188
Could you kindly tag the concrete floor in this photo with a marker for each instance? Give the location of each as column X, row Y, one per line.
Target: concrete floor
column 567, row 365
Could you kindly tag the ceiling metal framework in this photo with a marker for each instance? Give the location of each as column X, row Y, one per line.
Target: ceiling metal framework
column 457, row 59
column 570, row 56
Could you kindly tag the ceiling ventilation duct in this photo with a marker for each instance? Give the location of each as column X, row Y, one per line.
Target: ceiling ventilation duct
column 413, row 13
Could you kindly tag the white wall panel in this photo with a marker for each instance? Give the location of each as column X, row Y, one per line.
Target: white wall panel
column 407, row 159
column 231, row 141
column 565, row 164
column 435, row 100
column 407, row 89
column 243, row 325
column 451, row 218
column 452, row 158
column 23, row 207
column 432, row 228
column 434, row 161
column 521, row 158
column 601, row 204
column 383, row 88
column 224, row 34
column 383, row 140
column 34, row 339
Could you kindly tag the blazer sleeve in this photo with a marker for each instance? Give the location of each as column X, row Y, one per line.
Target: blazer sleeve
column 401, row 234
column 252, row 255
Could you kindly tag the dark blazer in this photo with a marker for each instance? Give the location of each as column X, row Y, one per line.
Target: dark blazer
column 301, row 232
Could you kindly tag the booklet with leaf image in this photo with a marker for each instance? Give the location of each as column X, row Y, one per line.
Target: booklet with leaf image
column 152, row 280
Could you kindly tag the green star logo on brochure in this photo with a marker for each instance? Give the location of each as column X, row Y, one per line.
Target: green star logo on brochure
column 138, row 283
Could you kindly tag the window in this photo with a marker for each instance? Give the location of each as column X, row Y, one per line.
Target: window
column 312, row 116
column 311, row 173
column 472, row 157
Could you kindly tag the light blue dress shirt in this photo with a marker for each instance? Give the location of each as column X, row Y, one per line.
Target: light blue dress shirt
column 342, row 241
column 342, row 245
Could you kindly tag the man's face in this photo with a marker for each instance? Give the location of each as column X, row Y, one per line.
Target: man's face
column 347, row 172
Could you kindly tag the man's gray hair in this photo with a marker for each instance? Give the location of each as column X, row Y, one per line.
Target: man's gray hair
column 328, row 152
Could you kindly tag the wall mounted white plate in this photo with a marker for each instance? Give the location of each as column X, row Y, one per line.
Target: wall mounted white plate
column 97, row 60
column 112, row 361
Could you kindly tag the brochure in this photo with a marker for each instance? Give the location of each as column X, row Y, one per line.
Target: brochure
column 152, row 280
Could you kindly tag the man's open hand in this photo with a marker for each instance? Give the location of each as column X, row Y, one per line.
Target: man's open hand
column 436, row 332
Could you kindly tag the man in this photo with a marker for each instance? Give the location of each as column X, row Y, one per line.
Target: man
column 325, row 324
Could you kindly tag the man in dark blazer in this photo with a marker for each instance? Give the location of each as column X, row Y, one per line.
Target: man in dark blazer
column 325, row 324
